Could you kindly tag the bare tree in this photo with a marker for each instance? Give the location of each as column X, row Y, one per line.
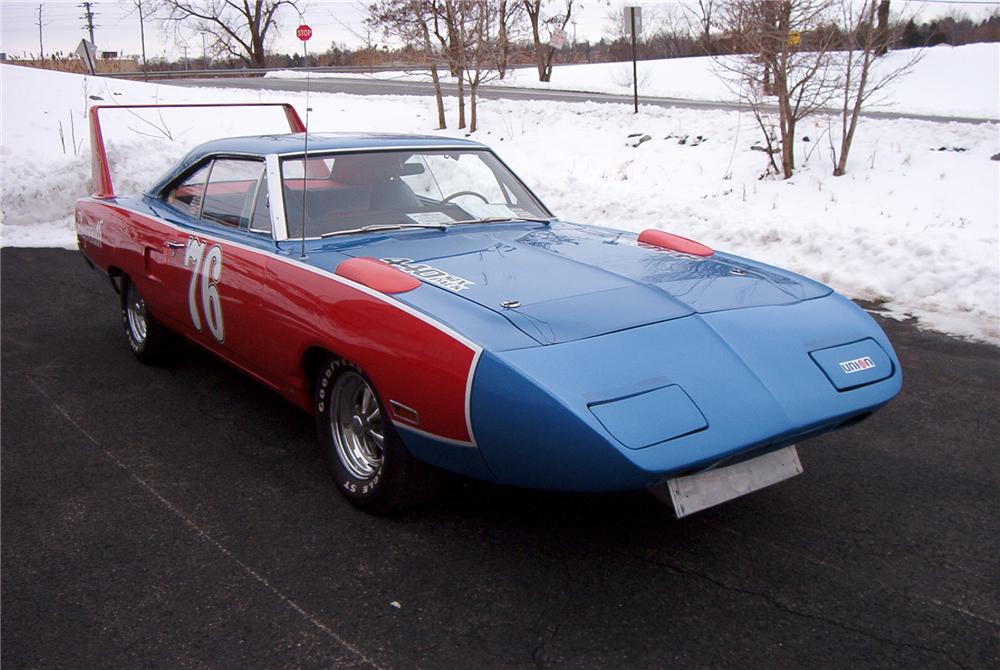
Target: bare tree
column 665, row 31
column 445, row 18
column 703, row 14
column 240, row 29
column 480, row 30
column 772, row 62
column 863, row 80
column 409, row 20
column 510, row 16
column 544, row 51
column 472, row 34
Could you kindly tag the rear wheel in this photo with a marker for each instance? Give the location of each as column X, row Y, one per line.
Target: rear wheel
column 365, row 456
column 149, row 340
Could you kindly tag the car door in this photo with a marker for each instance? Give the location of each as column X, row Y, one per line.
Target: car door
column 216, row 258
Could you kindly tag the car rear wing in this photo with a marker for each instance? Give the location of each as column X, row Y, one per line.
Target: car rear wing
column 101, row 171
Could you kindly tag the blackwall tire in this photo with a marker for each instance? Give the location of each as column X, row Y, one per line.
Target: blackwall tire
column 366, row 458
column 150, row 341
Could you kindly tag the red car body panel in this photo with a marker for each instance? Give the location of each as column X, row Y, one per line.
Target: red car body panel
column 277, row 310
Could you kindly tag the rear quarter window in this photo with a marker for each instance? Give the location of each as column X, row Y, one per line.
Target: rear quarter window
column 189, row 194
column 232, row 188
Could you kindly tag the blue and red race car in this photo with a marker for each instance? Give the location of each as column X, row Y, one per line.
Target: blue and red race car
column 417, row 298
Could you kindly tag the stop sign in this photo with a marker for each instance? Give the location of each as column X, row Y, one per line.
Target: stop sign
column 303, row 32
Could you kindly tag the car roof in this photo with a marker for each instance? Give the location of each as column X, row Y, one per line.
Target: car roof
column 292, row 143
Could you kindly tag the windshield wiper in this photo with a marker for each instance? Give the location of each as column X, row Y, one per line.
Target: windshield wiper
column 385, row 226
column 499, row 219
column 435, row 226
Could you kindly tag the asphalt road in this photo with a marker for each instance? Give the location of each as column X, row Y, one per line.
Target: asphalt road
column 182, row 518
column 358, row 86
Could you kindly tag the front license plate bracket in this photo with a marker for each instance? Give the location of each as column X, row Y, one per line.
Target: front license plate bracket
column 693, row 493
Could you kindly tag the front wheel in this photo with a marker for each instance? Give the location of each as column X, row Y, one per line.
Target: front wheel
column 149, row 340
column 365, row 456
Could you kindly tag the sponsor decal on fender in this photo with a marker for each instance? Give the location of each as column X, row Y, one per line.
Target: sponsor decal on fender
column 430, row 274
column 89, row 230
column 857, row 365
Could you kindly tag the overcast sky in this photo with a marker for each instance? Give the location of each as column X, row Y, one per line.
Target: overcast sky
column 117, row 25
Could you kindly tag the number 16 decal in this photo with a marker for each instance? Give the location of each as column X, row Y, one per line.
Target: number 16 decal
column 207, row 267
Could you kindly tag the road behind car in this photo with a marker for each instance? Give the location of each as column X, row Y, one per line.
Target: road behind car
column 182, row 517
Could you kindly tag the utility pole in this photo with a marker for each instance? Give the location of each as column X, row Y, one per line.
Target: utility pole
column 635, row 70
column 142, row 39
column 187, row 63
column 204, row 53
column 41, row 48
column 88, row 16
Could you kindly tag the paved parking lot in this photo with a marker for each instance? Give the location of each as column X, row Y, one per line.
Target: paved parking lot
column 182, row 517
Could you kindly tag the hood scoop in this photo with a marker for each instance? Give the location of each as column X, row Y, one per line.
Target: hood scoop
column 575, row 317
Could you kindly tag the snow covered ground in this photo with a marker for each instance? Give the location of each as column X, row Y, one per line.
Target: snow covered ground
column 946, row 81
column 910, row 225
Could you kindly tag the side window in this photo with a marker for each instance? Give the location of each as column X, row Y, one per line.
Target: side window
column 232, row 187
column 187, row 196
column 261, row 219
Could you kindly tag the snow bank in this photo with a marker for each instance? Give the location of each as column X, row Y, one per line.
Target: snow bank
column 909, row 226
column 947, row 81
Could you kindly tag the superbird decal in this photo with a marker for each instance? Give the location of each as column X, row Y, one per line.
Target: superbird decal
column 430, row 274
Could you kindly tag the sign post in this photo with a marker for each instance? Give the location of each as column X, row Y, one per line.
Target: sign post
column 633, row 24
column 88, row 52
column 304, row 32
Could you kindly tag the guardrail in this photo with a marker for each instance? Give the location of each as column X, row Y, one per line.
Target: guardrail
column 258, row 72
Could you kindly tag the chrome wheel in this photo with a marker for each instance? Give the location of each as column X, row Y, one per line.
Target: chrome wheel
column 356, row 425
column 135, row 312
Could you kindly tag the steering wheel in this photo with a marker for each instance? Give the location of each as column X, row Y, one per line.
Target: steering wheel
column 458, row 193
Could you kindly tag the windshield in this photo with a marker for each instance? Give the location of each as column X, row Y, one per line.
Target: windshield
column 350, row 191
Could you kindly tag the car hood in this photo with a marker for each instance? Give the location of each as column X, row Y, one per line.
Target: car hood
column 560, row 282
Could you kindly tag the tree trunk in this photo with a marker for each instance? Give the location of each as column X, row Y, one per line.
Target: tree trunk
column 534, row 15
column 539, row 56
column 429, row 55
column 473, row 124
column 769, row 51
column 461, row 100
column 787, row 123
column 546, row 74
column 257, row 57
column 454, row 43
column 788, row 150
column 848, row 135
column 503, row 42
column 882, row 32
column 442, row 122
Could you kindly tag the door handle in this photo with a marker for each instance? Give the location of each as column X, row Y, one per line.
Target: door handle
column 172, row 244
